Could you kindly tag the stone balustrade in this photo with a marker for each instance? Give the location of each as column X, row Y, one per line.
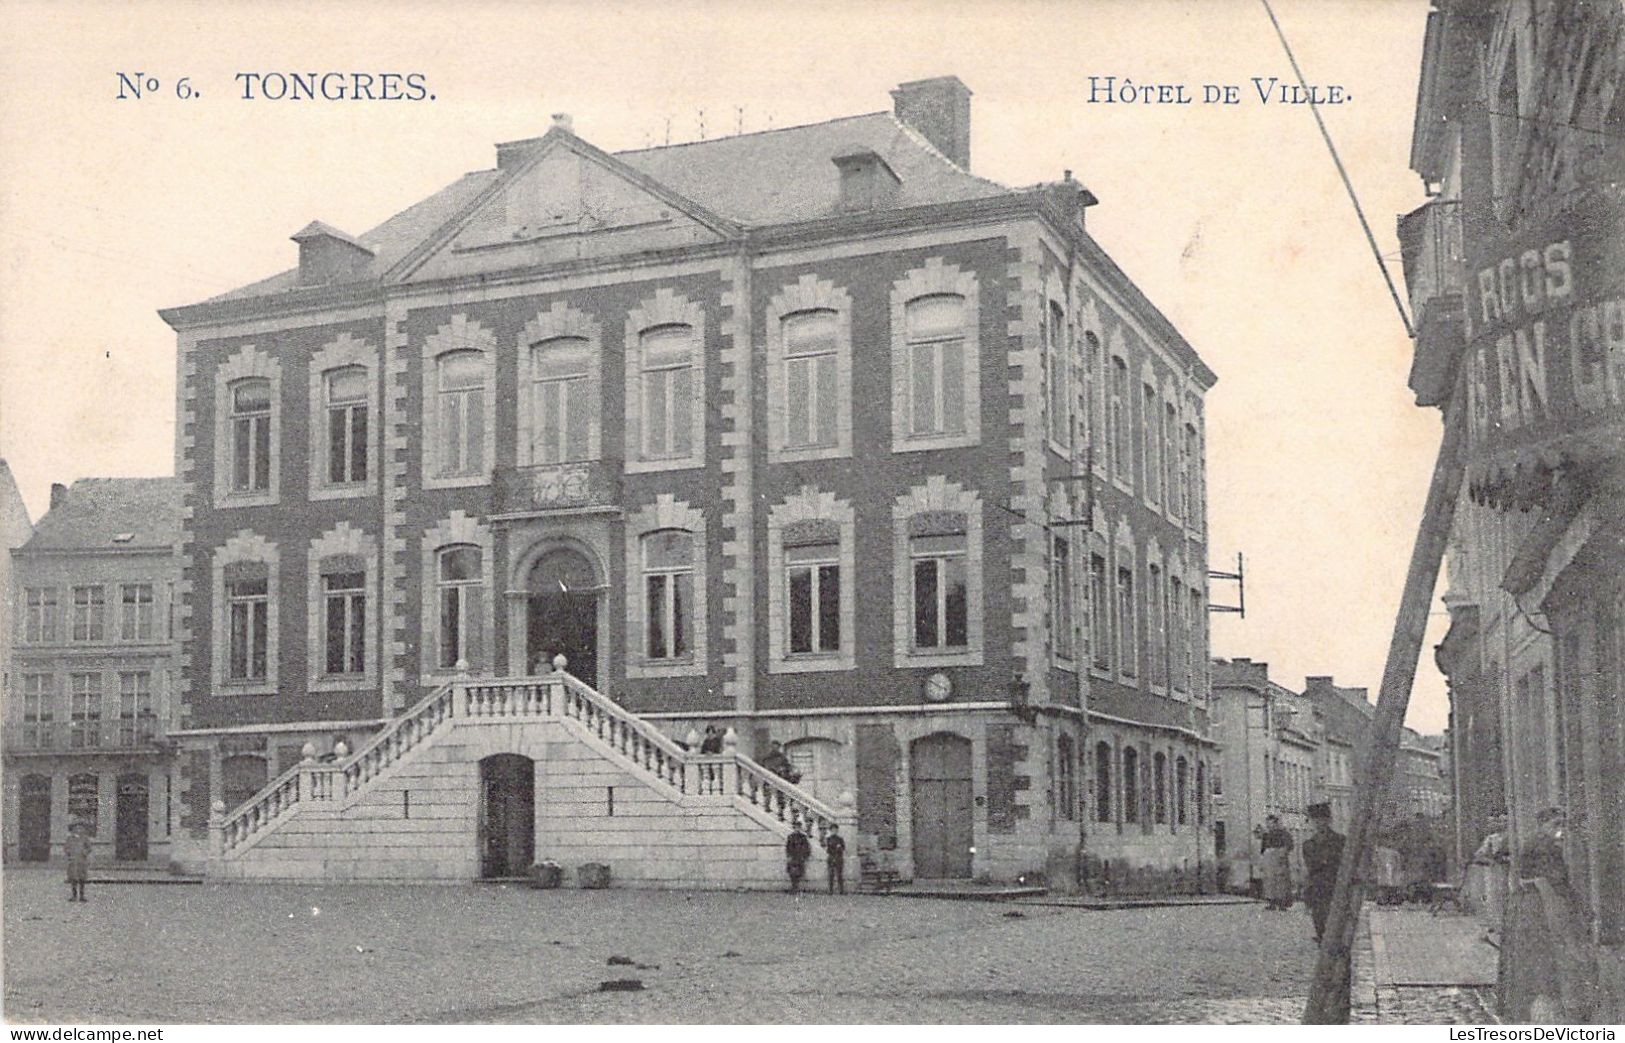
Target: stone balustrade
column 727, row 776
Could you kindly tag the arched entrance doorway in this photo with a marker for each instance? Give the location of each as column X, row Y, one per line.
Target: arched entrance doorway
column 940, row 781
column 34, row 818
column 562, row 618
column 507, row 820
column 130, row 819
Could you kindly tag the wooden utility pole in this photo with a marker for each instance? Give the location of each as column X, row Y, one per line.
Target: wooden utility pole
column 1329, row 992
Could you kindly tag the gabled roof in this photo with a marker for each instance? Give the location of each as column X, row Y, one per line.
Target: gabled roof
column 99, row 513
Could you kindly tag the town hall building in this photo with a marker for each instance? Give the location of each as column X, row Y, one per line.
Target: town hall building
column 809, row 434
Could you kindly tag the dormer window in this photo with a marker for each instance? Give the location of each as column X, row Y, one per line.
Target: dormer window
column 867, row 181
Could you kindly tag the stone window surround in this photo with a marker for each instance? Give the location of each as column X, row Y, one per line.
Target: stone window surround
column 1148, row 433
column 808, row 504
column 937, row 493
column 345, row 539
column 560, row 320
column 935, row 277
column 459, row 334
column 665, row 308
column 1175, row 488
column 810, row 293
column 340, row 353
column 665, row 512
column 245, row 363
column 246, row 547
column 1067, row 660
column 456, row 529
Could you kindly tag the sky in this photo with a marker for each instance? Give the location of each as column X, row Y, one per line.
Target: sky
column 1231, row 218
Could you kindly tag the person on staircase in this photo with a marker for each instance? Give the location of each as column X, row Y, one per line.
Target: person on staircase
column 712, row 743
column 776, row 761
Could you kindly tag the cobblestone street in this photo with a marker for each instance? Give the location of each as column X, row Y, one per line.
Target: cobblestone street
column 496, row 954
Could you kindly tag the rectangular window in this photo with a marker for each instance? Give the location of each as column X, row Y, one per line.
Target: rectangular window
column 1122, row 447
column 248, row 606
column 137, row 723
column 461, row 387
column 668, row 570
column 812, row 408
column 1129, row 654
column 136, row 612
column 1156, row 633
column 1151, row 428
column 936, row 354
column 668, row 392
column 1060, row 397
column 1100, row 613
column 1193, row 478
column 347, row 426
column 1178, row 647
column 814, row 575
column 251, row 436
column 561, row 412
column 346, row 623
column 85, row 710
column 89, row 610
column 1173, row 461
column 39, row 710
column 1061, row 595
column 460, row 573
column 39, row 615
column 940, row 592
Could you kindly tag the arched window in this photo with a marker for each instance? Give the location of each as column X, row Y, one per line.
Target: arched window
column 1060, row 397
column 1131, row 784
column 459, row 575
column 668, row 577
column 1122, row 447
column 1181, row 784
column 1103, row 782
column 346, row 393
column 1159, row 786
column 935, row 328
column 460, row 389
column 666, row 356
column 561, row 412
column 1201, row 792
column 1151, row 428
column 1066, row 789
column 251, row 435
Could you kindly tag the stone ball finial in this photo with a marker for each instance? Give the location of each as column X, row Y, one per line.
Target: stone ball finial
column 218, row 807
column 559, row 663
column 341, row 749
column 462, row 666
column 308, row 751
column 730, row 740
column 692, row 739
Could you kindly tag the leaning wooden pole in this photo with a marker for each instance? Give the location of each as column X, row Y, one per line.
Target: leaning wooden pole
column 1329, row 992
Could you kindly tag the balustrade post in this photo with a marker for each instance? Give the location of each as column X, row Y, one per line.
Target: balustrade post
column 730, row 775
column 217, row 828
column 459, row 690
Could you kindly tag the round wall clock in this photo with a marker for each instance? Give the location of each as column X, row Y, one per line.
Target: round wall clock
column 938, row 687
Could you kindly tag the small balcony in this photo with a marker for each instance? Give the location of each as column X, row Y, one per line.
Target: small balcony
column 581, row 486
column 139, row 734
column 1435, row 273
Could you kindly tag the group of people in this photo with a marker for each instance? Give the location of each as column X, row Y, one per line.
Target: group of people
column 1321, row 854
column 798, row 849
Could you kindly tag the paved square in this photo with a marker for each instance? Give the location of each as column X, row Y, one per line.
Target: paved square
column 243, row 953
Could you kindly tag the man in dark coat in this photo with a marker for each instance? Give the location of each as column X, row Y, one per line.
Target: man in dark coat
column 835, row 855
column 1322, row 853
column 77, row 849
column 778, row 762
column 797, row 849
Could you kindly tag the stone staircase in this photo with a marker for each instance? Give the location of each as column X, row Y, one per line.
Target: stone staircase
column 610, row 788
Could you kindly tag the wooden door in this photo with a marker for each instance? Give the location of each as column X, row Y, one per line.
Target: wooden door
column 943, row 805
column 507, row 820
column 34, row 819
column 130, row 824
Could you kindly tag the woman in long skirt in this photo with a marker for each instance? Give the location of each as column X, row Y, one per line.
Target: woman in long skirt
column 1276, row 863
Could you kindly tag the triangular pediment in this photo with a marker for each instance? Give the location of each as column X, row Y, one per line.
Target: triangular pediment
column 566, row 201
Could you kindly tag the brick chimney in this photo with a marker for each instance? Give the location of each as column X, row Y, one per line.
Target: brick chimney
column 59, row 492
column 939, row 109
